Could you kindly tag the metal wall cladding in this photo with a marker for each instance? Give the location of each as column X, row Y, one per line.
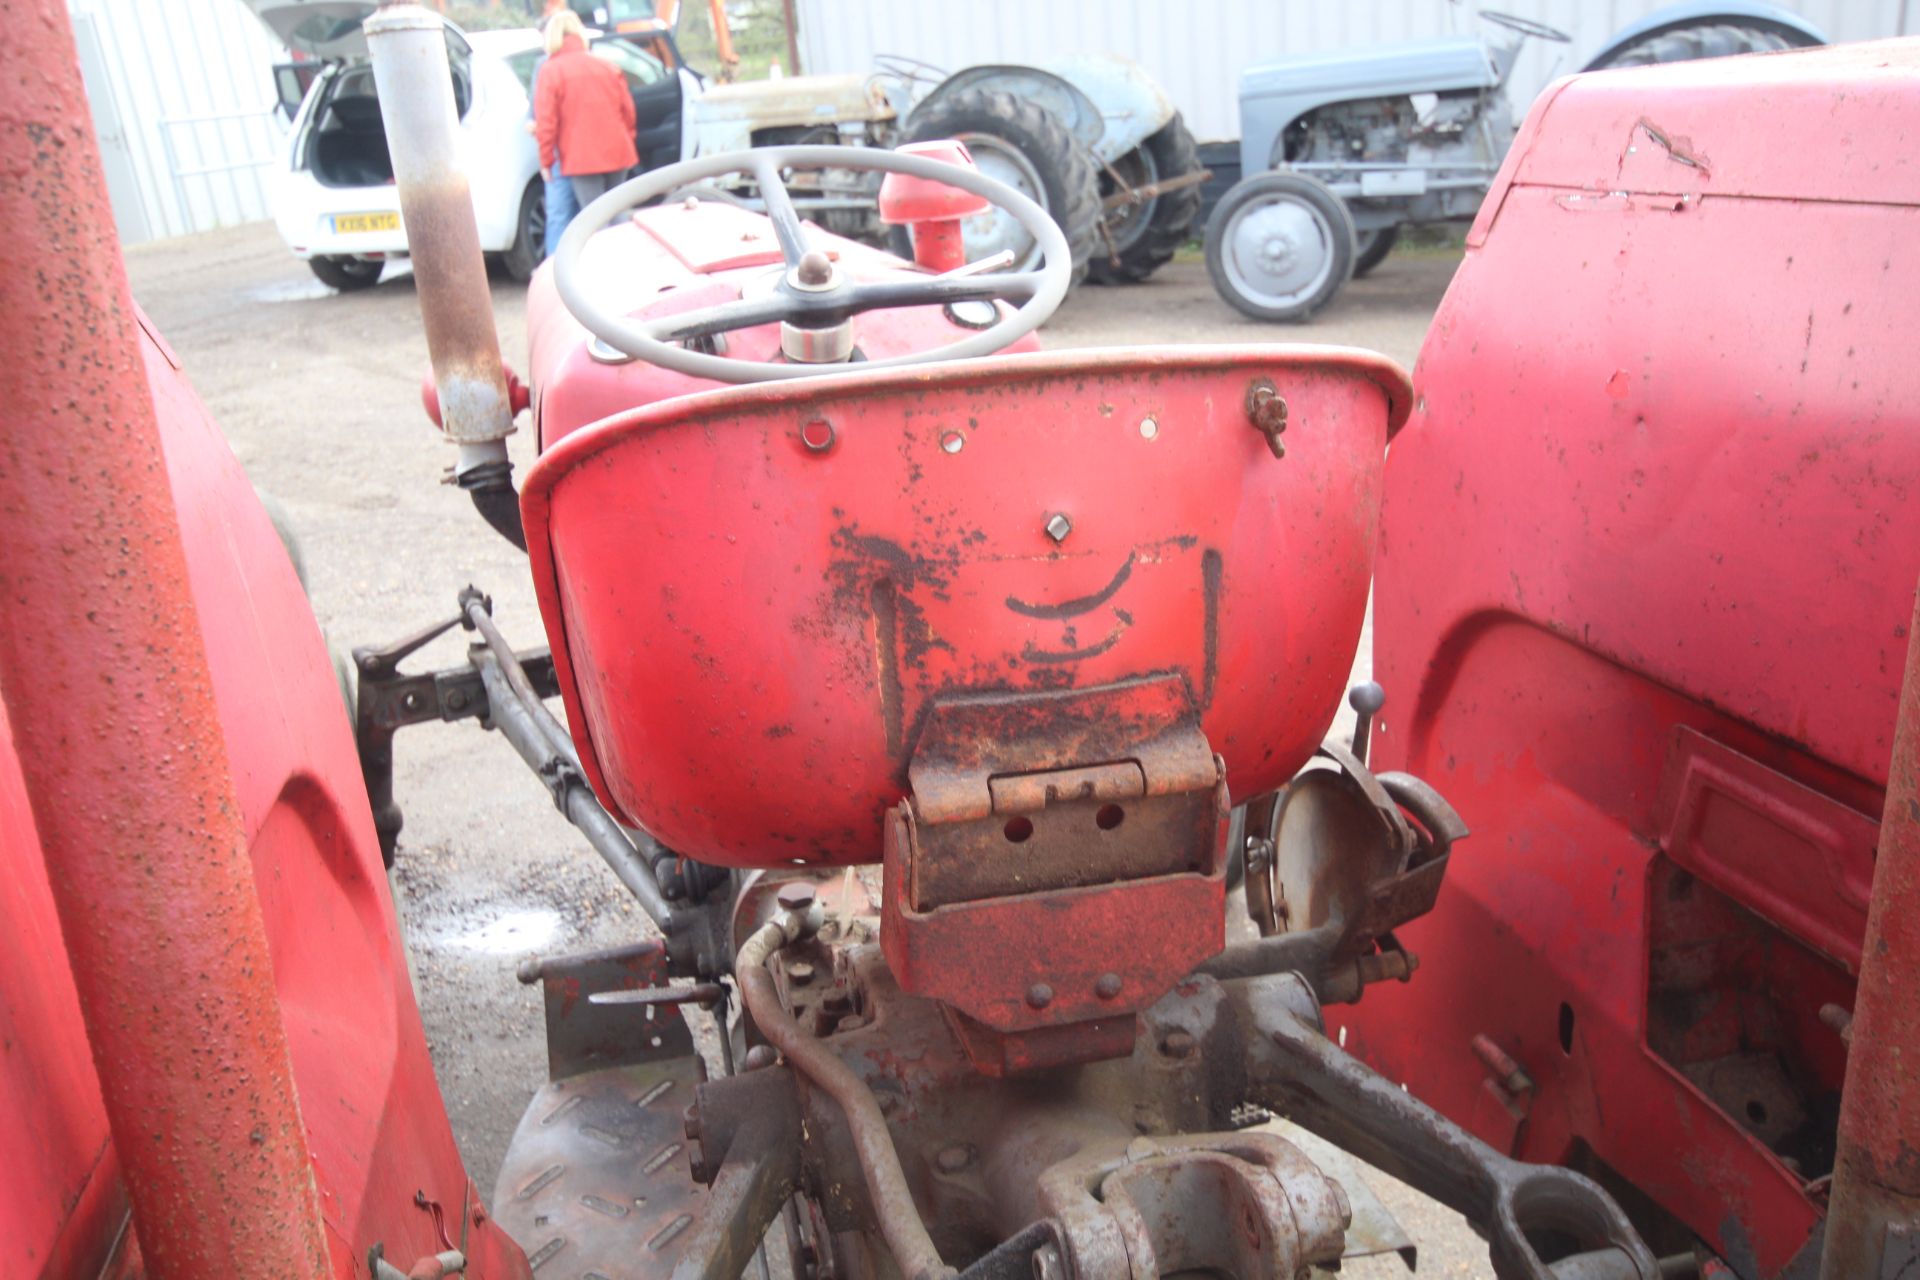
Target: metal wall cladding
column 182, row 98
column 1198, row 50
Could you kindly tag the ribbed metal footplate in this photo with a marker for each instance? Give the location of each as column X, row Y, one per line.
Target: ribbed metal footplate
column 596, row 1185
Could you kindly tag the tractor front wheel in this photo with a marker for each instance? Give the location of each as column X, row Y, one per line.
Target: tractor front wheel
column 1279, row 246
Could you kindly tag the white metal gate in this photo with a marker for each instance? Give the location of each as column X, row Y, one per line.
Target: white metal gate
column 180, row 92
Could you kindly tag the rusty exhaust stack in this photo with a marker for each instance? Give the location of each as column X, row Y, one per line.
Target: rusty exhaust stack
column 112, row 711
column 1873, row 1219
column 408, row 48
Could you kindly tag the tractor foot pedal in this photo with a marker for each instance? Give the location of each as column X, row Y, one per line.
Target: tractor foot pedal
column 596, row 1183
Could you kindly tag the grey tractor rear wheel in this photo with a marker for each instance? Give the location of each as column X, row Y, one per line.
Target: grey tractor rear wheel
column 1372, row 248
column 1140, row 239
column 1029, row 148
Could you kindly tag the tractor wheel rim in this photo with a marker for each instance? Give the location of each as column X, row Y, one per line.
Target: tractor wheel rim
column 1279, row 251
column 986, row 234
column 1129, row 222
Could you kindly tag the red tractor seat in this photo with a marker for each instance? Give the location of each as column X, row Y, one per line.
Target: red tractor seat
column 755, row 595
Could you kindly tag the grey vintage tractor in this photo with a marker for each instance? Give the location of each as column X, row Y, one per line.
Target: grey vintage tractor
column 1341, row 150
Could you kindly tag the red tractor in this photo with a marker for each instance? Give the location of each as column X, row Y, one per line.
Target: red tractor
column 1056, row 640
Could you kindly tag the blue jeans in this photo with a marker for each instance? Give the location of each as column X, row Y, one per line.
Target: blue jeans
column 562, row 207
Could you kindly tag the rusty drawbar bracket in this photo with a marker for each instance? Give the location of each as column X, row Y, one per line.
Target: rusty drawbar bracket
column 505, row 691
column 1058, row 866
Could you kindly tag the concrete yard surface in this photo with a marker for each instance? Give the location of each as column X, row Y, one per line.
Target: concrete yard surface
column 320, row 396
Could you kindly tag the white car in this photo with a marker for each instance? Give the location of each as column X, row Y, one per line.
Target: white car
column 333, row 194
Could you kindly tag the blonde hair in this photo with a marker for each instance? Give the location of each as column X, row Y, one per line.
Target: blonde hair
column 561, row 25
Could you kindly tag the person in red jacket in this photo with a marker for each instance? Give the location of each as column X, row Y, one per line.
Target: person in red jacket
column 582, row 113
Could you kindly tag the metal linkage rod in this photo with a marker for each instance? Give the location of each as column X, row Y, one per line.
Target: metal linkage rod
column 518, row 723
column 549, row 726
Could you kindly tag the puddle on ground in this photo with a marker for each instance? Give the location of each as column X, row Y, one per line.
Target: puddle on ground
column 513, row 934
column 307, row 290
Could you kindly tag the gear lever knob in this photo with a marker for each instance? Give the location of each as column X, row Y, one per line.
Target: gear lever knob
column 1366, row 699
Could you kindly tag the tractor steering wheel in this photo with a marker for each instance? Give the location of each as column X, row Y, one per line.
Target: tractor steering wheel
column 1526, row 26
column 808, row 304
column 901, row 67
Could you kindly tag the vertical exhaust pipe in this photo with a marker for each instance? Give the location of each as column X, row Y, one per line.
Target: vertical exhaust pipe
column 408, row 48
column 1873, row 1216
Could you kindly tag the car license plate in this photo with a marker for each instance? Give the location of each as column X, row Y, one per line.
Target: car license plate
column 348, row 223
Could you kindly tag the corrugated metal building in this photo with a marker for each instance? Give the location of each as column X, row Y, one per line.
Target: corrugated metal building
column 182, row 98
column 182, row 90
column 1197, row 49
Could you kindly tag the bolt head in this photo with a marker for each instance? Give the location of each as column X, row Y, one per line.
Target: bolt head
column 1177, row 1044
column 795, row 895
column 1058, row 527
column 954, row 1158
column 1039, row 995
column 800, row 973
column 1108, row 987
column 814, row 268
column 760, row 1057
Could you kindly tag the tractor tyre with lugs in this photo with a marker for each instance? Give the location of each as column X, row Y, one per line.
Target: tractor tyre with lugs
column 1690, row 43
column 1145, row 238
column 1029, row 149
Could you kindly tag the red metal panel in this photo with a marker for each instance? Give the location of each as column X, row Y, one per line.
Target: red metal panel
column 747, row 629
column 49, row 1099
column 1661, row 488
column 108, row 696
column 359, row 1056
column 172, row 555
column 1636, row 130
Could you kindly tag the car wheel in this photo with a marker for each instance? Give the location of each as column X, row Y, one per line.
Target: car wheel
column 530, row 237
column 347, row 274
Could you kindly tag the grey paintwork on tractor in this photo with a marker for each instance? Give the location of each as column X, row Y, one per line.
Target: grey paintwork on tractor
column 1275, row 94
